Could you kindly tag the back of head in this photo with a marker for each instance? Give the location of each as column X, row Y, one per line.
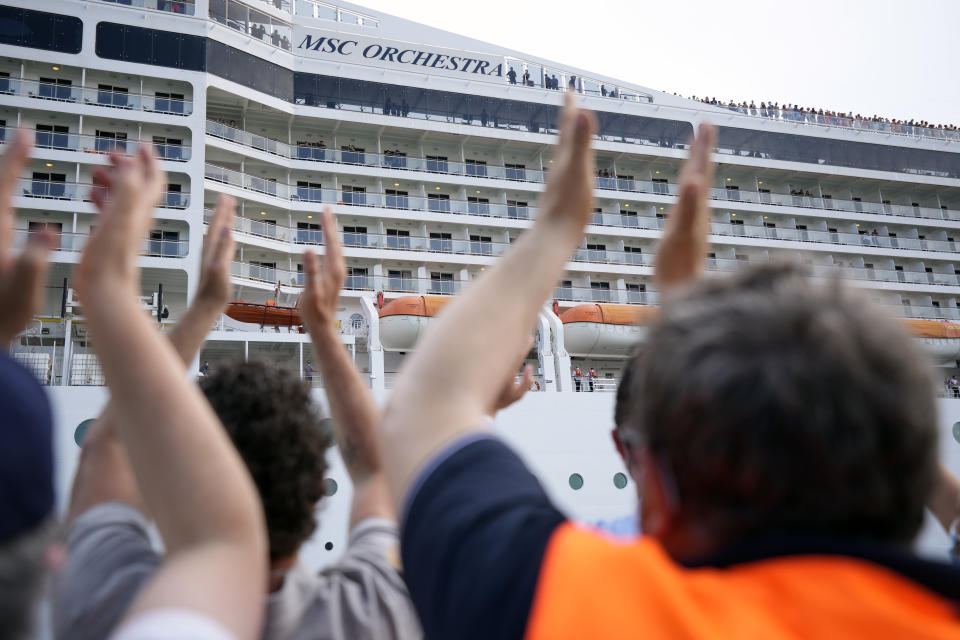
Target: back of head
column 268, row 413
column 26, row 494
column 780, row 405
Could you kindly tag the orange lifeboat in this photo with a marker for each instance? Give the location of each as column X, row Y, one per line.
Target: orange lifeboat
column 268, row 314
column 613, row 329
column 404, row 320
column 605, row 329
column 940, row 339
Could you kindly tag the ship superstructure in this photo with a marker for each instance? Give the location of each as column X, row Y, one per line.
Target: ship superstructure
column 432, row 150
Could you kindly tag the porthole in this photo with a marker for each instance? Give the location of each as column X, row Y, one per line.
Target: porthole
column 81, row 431
column 576, row 481
column 956, row 431
column 619, row 480
column 329, row 487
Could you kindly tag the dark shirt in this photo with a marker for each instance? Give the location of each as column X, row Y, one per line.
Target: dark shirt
column 472, row 542
column 477, row 525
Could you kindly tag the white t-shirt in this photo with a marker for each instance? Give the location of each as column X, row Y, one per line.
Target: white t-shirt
column 172, row 624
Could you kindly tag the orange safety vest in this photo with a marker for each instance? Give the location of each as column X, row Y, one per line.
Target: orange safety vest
column 596, row 588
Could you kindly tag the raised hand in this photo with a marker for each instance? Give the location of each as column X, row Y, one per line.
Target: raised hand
column 215, row 286
column 125, row 193
column 352, row 407
column 318, row 305
column 683, row 248
column 21, row 277
column 568, row 198
column 213, row 292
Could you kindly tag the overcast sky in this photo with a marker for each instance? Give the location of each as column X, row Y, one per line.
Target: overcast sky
column 896, row 59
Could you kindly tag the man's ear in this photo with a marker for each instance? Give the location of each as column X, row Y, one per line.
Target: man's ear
column 658, row 513
column 621, row 450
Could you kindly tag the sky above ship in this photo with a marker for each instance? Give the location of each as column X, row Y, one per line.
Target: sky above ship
column 890, row 58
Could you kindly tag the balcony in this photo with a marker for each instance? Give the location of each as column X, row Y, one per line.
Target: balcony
column 79, row 191
column 359, row 158
column 346, row 196
column 857, row 124
column 95, row 97
column 579, row 294
column 98, row 144
column 536, row 176
column 75, row 243
column 508, row 211
column 830, row 237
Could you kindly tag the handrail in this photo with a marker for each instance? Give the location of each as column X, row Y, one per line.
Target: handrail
column 508, row 211
column 352, row 282
column 75, row 242
column 629, row 185
column 98, row 144
column 63, row 190
column 345, row 196
column 798, row 116
column 314, row 153
column 97, row 97
column 868, row 274
column 453, row 246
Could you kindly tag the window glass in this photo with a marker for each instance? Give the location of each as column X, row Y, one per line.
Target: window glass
column 809, row 149
column 68, row 34
column 218, row 10
column 192, row 53
column 137, row 46
column 166, row 49
column 109, row 41
column 40, row 30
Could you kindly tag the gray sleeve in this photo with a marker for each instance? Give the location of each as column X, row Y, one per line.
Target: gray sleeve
column 109, row 558
column 366, row 589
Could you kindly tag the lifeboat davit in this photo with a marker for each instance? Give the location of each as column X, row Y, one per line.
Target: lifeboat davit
column 605, row 329
column 269, row 314
column 404, row 320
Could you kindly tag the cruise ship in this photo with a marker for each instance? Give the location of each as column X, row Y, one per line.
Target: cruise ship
column 432, row 149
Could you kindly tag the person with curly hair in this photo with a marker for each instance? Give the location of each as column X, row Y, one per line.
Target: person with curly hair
column 271, row 419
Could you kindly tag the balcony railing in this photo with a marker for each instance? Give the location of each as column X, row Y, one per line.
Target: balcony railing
column 628, row 185
column 314, row 153
column 624, row 220
column 75, row 242
column 614, row 295
column 61, row 190
column 98, row 97
column 98, row 144
column 860, row 124
column 346, row 196
column 460, row 246
column 352, row 282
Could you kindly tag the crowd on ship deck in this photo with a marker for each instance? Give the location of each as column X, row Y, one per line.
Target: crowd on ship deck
column 797, row 113
column 780, row 479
